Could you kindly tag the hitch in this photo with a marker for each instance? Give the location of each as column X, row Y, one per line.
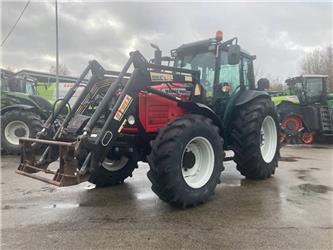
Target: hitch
column 67, row 173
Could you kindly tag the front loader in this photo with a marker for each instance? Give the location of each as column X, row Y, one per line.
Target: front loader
column 178, row 118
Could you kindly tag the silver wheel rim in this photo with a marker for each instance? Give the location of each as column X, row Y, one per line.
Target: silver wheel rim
column 197, row 162
column 268, row 139
column 11, row 131
column 114, row 165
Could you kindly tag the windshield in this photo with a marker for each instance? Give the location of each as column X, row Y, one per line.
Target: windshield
column 3, row 84
column 205, row 63
column 314, row 87
column 229, row 74
column 30, row 88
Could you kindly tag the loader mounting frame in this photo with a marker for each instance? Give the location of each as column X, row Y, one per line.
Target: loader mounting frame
column 73, row 168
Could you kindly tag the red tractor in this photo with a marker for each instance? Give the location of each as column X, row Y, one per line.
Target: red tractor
column 178, row 118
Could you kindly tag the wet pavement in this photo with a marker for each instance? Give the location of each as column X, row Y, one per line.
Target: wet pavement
column 292, row 210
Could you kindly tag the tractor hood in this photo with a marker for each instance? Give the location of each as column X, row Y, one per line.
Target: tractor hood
column 44, row 104
column 287, row 98
column 15, row 98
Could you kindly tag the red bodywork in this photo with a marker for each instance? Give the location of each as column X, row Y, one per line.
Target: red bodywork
column 156, row 111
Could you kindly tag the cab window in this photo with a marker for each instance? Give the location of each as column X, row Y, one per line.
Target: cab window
column 314, row 87
column 203, row 62
column 247, row 71
column 229, row 74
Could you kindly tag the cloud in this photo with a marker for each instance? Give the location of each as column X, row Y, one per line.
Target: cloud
column 278, row 33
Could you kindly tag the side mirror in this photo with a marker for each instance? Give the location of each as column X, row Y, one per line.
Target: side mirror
column 233, row 54
column 263, row 83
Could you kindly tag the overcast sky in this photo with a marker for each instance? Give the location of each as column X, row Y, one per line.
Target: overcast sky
column 278, row 33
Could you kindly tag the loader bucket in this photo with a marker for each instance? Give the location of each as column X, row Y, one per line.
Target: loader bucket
column 66, row 174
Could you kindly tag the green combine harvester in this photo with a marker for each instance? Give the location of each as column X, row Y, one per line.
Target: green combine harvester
column 306, row 109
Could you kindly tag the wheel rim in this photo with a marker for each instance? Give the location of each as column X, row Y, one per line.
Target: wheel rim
column 307, row 137
column 268, row 139
column 15, row 130
column 114, row 165
column 197, row 162
column 292, row 123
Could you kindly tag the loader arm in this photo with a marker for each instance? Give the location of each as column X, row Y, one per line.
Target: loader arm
column 78, row 155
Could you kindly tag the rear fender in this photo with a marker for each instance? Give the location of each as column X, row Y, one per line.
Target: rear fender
column 18, row 107
column 242, row 97
column 248, row 95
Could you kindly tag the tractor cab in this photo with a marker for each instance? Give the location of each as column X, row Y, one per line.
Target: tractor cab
column 224, row 67
column 18, row 83
column 23, row 84
column 310, row 89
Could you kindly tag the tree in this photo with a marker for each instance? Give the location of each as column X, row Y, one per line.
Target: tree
column 63, row 70
column 320, row 61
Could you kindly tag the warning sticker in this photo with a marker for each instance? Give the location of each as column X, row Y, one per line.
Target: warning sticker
column 122, row 126
column 188, row 78
column 123, row 107
column 160, row 77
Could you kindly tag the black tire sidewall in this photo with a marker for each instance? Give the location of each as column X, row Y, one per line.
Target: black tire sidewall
column 245, row 138
column 186, row 137
column 102, row 177
column 272, row 114
column 165, row 160
column 23, row 116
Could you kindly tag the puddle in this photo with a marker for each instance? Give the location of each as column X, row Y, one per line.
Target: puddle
column 290, row 158
column 90, row 186
column 319, row 146
column 304, row 178
column 301, row 171
column 63, row 205
column 315, row 168
column 8, row 207
column 107, row 219
column 308, row 187
column 145, row 196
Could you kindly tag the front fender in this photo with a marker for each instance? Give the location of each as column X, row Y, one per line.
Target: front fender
column 201, row 109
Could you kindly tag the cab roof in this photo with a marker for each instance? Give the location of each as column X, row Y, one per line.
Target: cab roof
column 291, row 79
column 203, row 45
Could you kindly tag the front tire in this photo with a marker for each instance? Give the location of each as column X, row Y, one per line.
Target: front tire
column 113, row 171
column 186, row 161
column 255, row 139
column 16, row 124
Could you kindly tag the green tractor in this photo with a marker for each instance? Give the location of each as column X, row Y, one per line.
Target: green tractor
column 307, row 109
column 22, row 110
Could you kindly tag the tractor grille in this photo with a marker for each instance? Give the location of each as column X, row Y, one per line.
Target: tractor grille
column 326, row 116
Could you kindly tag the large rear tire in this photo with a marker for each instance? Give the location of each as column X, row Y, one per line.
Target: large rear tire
column 16, row 124
column 113, row 171
column 186, row 161
column 255, row 139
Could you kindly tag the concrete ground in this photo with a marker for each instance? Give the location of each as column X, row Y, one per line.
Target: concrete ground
column 292, row 210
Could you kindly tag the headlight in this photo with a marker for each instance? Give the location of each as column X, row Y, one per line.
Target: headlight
column 131, row 120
